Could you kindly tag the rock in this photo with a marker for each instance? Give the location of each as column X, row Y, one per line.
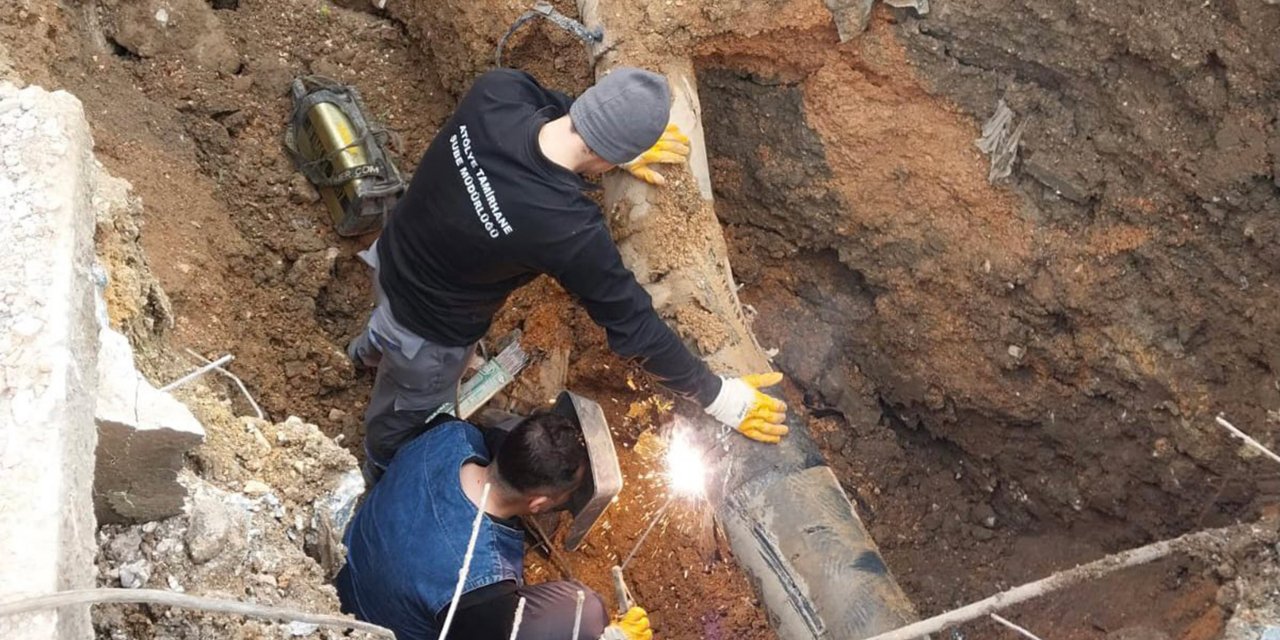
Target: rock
column 134, row 575
column 210, row 523
column 1016, row 352
column 1064, row 182
column 242, row 83
column 126, row 546
column 326, row 68
column 1225, row 570
column 837, row 439
column 980, row 534
column 296, row 628
column 851, row 16
column 235, row 122
column 273, row 77
column 255, row 488
column 932, row 521
column 304, row 240
column 186, row 29
column 984, row 515
column 311, row 273
column 301, row 190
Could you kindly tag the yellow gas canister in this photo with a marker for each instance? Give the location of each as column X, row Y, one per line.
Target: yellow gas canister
column 343, row 155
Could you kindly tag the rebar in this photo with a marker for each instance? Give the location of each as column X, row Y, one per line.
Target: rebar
column 197, row 373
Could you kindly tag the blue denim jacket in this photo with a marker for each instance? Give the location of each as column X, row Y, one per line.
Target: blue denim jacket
column 406, row 544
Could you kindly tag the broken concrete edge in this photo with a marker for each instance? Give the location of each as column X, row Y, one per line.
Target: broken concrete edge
column 49, row 349
column 143, row 437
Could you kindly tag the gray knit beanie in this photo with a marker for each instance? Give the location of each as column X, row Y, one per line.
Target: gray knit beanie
column 623, row 114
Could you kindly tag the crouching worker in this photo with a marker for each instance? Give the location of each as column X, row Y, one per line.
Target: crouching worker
column 408, row 540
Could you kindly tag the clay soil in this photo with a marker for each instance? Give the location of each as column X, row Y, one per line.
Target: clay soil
column 894, row 279
column 1015, row 378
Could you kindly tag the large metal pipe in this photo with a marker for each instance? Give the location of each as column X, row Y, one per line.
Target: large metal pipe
column 791, row 526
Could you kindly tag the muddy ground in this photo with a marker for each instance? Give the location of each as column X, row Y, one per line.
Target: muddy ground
column 1008, row 379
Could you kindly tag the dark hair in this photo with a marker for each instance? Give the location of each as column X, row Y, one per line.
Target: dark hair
column 543, row 453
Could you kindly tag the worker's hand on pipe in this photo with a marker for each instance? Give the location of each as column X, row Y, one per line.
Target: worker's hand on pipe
column 634, row 625
column 671, row 148
column 742, row 406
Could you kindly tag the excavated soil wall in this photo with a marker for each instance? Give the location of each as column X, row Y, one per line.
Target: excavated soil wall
column 1044, row 355
column 1008, row 379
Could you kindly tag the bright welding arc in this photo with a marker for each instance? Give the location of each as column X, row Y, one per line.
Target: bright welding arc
column 686, row 467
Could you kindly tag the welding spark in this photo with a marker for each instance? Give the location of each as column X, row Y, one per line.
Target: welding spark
column 686, row 468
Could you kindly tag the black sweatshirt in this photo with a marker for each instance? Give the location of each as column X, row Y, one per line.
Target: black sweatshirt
column 487, row 212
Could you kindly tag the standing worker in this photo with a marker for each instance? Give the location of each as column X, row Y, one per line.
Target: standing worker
column 497, row 200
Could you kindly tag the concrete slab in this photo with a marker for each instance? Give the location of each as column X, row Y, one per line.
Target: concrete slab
column 143, row 435
column 48, row 350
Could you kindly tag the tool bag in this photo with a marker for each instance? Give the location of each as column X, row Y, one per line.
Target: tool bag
column 342, row 154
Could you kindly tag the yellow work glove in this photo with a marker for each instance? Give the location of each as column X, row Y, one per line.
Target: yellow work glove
column 671, row 148
column 742, row 406
column 632, row 626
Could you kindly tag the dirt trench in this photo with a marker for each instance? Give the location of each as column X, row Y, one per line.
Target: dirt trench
column 1028, row 371
column 1009, row 379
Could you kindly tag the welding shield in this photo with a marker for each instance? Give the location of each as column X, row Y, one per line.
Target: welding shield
column 604, row 477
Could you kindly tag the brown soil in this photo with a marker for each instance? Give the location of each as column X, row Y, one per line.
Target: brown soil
column 1009, row 380
column 690, row 591
column 1010, row 385
column 251, row 267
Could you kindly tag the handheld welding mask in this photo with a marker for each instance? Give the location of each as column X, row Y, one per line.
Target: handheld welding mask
column 604, row 477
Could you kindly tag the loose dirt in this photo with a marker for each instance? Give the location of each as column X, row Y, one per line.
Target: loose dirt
column 1009, row 380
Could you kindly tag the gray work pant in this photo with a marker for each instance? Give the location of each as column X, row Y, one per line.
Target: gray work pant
column 549, row 612
column 415, row 377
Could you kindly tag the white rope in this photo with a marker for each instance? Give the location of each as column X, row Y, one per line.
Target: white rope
column 466, row 562
column 515, row 626
column 577, row 617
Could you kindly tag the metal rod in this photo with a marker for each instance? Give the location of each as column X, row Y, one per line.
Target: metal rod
column 1021, row 631
column 198, row 372
column 544, row 541
column 239, row 383
column 620, row 591
column 656, row 518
